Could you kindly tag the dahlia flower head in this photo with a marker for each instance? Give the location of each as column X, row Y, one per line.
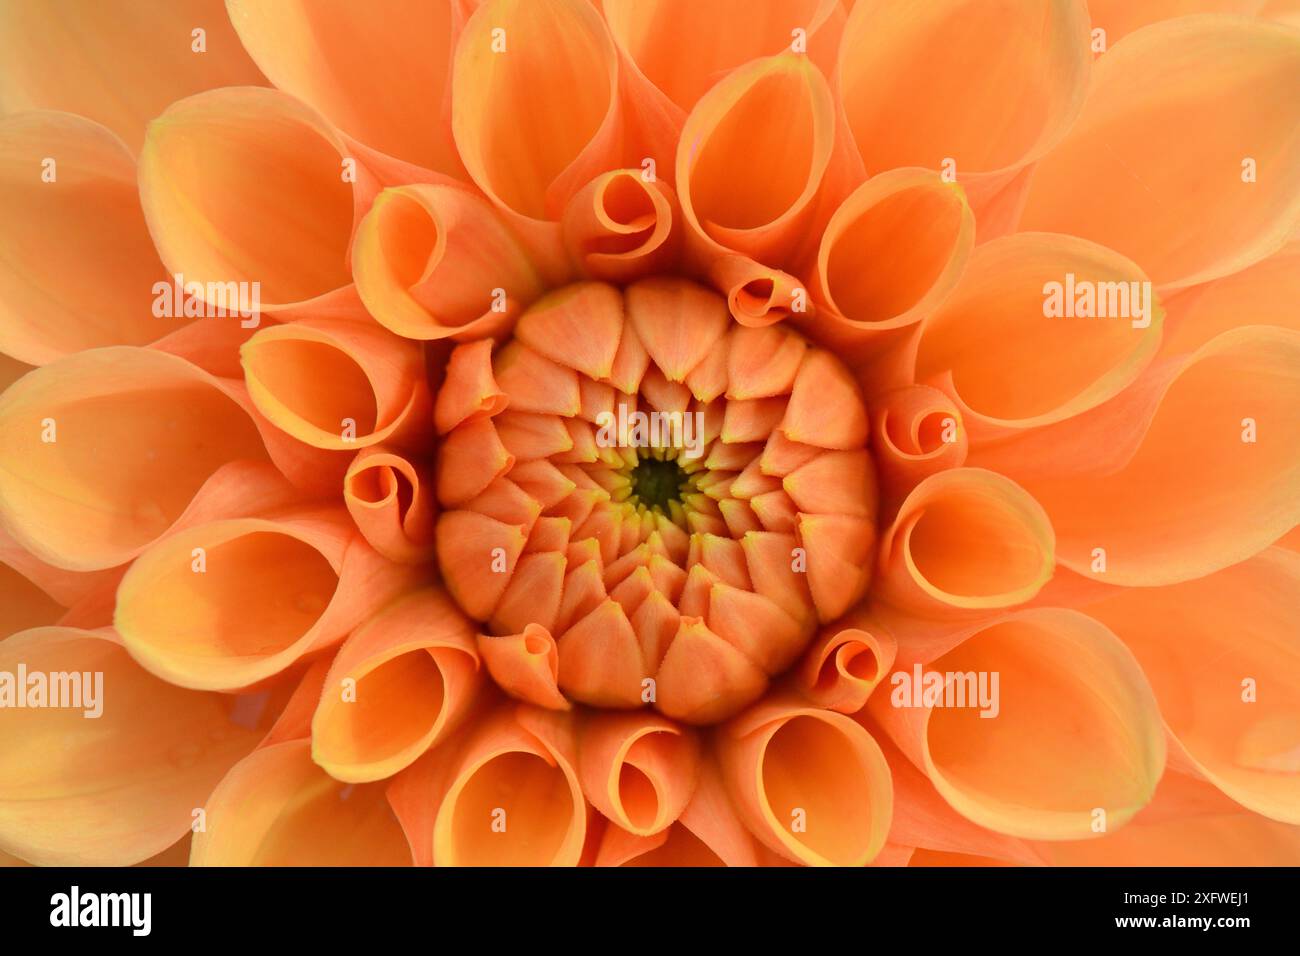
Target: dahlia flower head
column 650, row 432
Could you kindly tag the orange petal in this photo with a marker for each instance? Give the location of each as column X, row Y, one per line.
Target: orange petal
column 23, row 604
column 277, row 808
column 918, row 433
column 639, row 770
column 432, row 261
column 823, row 383
column 678, row 323
column 600, row 659
column 963, row 539
column 170, row 425
column 579, row 326
column 398, row 685
column 469, row 459
column 477, row 555
column 230, row 603
column 390, row 497
column 845, row 663
column 514, row 797
column 1128, row 176
column 525, row 665
column 130, row 779
column 79, row 264
column 1070, row 701
column 117, row 66
column 469, row 391
column 337, row 384
column 811, row 784
column 619, row 227
column 703, row 678
column 382, row 77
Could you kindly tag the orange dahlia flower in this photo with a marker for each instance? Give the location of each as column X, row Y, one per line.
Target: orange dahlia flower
column 629, row 432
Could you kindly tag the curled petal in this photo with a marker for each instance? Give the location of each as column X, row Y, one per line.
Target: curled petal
column 1129, row 177
column 432, row 261
column 965, row 539
column 1069, row 700
column 1211, row 433
column 918, row 432
column 413, row 672
column 469, row 391
column 170, row 425
column 1040, row 328
column 338, row 385
column 390, row 497
column 130, row 779
column 639, row 769
column 277, row 808
column 746, row 183
column 230, row 603
column 757, row 295
column 950, row 81
column 118, row 65
column 619, row 227
column 1236, row 720
column 535, row 107
column 79, row 264
column 811, row 784
column 382, row 76
column 845, row 663
column 514, row 796
column 247, row 185
column 525, row 665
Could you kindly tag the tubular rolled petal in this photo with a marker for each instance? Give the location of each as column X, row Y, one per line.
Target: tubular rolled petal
column 950, row 80
column 965, row 539
column 432, row 261
column 382, row 75
column 79, row 266
column 1070, row 701
column 748, row 184
column 247, row 185
column 402, row 682
column 117, row 64
column 1009, row 362
column 639, row 769
column 891, row 252
column 1183, row 447
column 757, row 295
column 338, row 385
column 619, row 227
column 534, row 106
column 1129, row 177
column 811, row 785
column 846, row 662
column 230, row 603
column 169, row 424
column 917, row 433
column 130, row 778
column 1236, row 720
column 277, row 808
column 389, row 494
column 525, row 666
column 1119, row 18
column 514, row 797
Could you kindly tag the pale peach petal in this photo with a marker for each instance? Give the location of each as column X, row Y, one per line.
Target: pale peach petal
column 469, row 459
column 600, row 659
column 1120, row 18
column 117, row 788
column 338, row 385
column 579, row 326
column 703, row 678
column 1125, row 478
column 249, row 185
column 469, row 391
column 1220, row 653
column 432, row 261
column 169, row 424
column 525, row 665
column 1009, row 363
column 639, row 769
column 471, row 546
column 757, row 294
column 79, row 266
column 414, row 673
column 677, row 323
column 822, row 383
column 965, row 539
column 380, row 74
column 951, row 80
column 811, row 784
column 845, row 663
column 277, row 808
column 514, row 797
column 230, row 603
column 1071, row 702
column 1128, row 175
column 118, row 64
column 619, row 227
column 918, row 432
column 390, row 495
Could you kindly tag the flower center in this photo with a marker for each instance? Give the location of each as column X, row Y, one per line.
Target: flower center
column 647, row 504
